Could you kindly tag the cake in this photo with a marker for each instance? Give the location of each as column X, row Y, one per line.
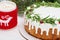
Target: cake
column 43, row 21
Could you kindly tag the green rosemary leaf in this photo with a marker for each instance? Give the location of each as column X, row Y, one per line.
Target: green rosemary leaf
column 28, row 15
column 45, row 18
column 58, row 20
column 36, row 17
column 33, row 18
column 50, row 21
column 57, row 4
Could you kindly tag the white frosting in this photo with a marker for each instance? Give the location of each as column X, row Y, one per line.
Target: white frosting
column 7, row 6
column 44, row 12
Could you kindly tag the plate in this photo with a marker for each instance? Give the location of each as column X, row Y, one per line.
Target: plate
column 22, row 30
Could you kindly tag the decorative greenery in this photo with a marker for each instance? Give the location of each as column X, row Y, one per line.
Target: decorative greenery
column 57, row 4
column 43, row 3
column 28, row 16
column 49, row 0
column 45, row 18
column 50, row 21
column 37, row 18
column 23, row 4
column 58, row 20
column 58, row 1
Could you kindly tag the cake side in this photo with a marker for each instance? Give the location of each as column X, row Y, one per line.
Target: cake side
column 42, row 36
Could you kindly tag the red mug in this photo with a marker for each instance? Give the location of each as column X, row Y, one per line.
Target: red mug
column 8, row 17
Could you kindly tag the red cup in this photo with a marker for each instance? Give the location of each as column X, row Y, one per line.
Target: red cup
column 8, row 19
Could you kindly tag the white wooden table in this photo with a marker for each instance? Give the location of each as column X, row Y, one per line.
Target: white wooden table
column 12, row 34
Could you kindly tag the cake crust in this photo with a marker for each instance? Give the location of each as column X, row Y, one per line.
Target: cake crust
column 43, row 36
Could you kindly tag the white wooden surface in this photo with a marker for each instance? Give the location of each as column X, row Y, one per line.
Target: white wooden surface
column 12, row 34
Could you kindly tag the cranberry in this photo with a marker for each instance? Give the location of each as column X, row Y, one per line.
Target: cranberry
column 41, row 22
column 59, row 22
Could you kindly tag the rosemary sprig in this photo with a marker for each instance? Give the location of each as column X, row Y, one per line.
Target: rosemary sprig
column 28, row 16
column 48, row 4
column 45, row 18
column 50, row 20
column 36, row 17
column 58, row 20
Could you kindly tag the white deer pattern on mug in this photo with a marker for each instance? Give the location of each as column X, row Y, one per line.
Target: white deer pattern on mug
column 6, row 22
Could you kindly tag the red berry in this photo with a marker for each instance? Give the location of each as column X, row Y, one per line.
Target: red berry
column 41, row 22
column 59, row 22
